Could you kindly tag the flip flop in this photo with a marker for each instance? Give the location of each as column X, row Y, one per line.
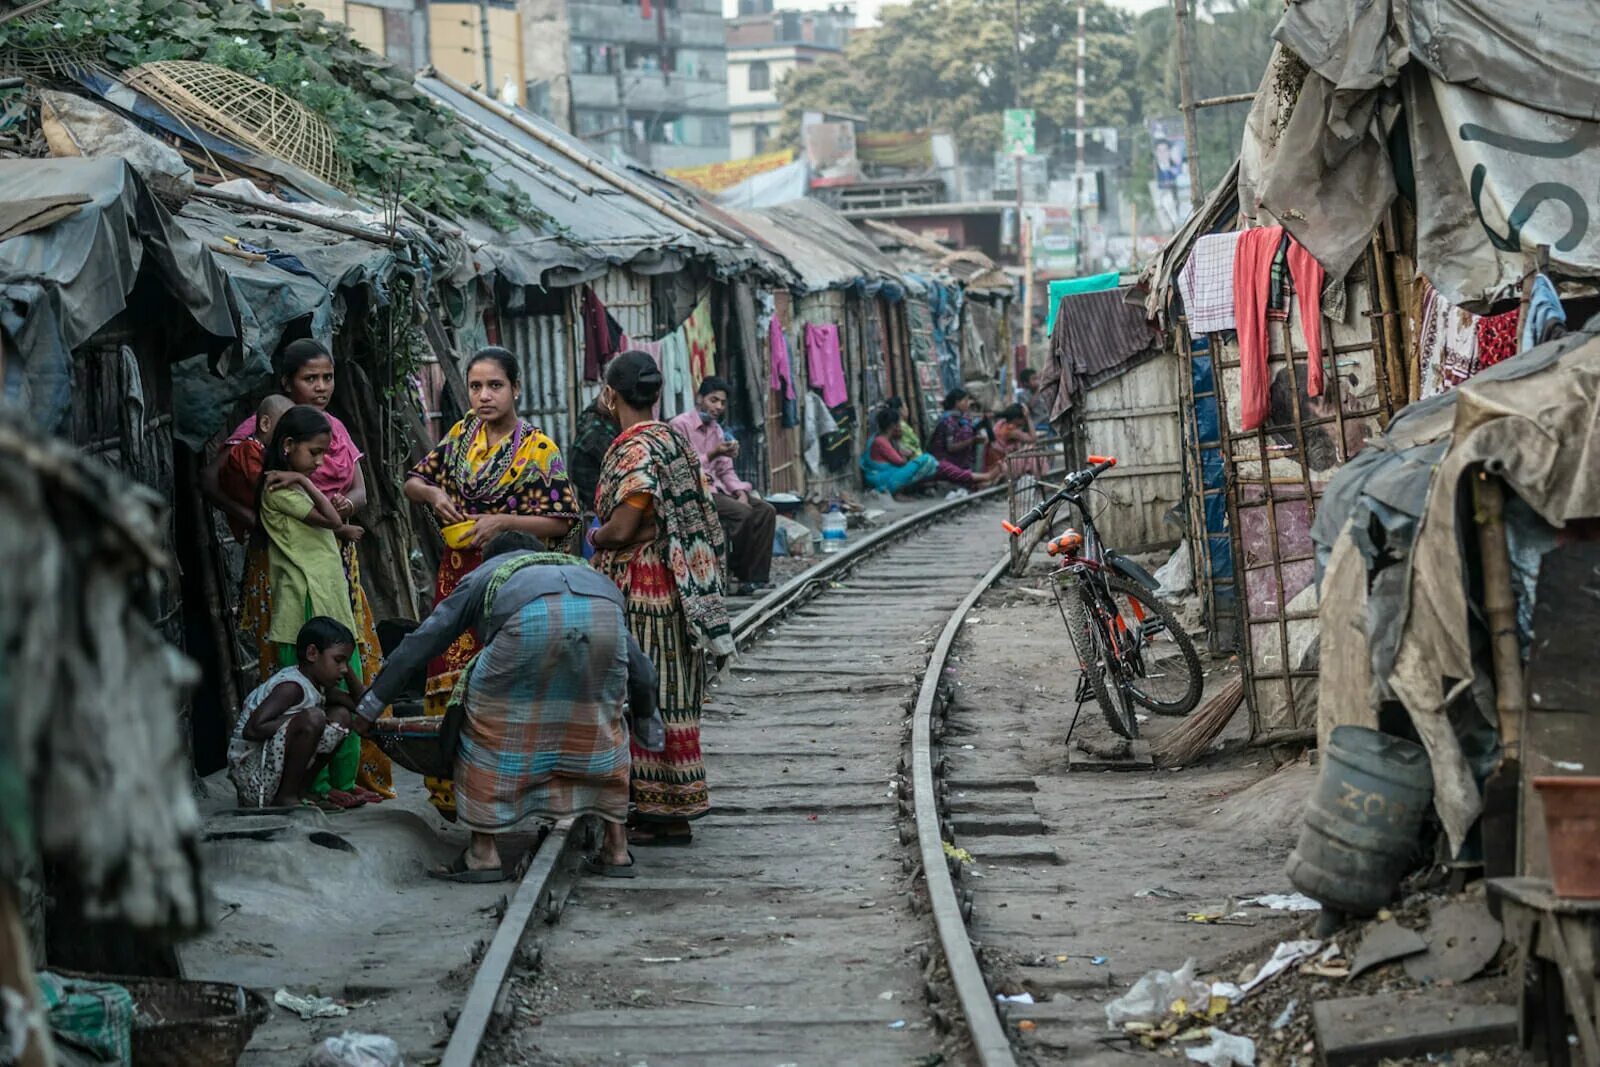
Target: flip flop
column 322, row 804
column 595, row 865
column 458, row 871
column 345, row 800
column 367, row 795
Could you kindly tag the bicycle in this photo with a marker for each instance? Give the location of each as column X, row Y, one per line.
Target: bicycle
column 1131, row 650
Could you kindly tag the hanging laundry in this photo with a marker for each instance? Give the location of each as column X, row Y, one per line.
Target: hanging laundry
column 677, row 387
column 1497, row 339
column 825, row 364
column 1281, row 289
column 1252, row 279
column 819, row 424
column 1100, row 334
column 1447, row 343
column 702, row 342
column 782, row 375
column 602, row 336
column 653, row 350
column 1546, row 318
column 1206, row 283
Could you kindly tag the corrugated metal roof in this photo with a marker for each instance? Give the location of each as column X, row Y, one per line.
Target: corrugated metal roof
column 599, row 224
column 832, row 250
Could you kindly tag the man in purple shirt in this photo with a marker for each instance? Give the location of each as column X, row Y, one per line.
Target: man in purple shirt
column 748, row 521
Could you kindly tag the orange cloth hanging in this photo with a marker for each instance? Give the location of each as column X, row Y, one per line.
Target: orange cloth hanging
column 1252, row 280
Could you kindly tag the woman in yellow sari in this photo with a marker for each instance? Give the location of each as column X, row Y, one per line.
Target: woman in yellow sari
column 492, row 472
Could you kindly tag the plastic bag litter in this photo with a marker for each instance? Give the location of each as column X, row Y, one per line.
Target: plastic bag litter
column 1176, row 576
column 309, row 1007
column 1283, row 902
column 1286, row 955
column 352, row 1049
column 1225, row 1050
column 1152, row 996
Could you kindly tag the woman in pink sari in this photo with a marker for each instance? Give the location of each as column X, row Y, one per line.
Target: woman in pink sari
column 306, row 376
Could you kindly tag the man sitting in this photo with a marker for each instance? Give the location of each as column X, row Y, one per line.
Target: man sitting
column 747, row 520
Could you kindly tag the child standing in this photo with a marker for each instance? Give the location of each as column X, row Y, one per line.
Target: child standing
column 307, row 574
column 286, row 733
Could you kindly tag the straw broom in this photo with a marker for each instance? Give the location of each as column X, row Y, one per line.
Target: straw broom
column 1195, row 734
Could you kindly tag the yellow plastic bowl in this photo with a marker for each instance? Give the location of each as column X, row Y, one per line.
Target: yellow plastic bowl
column 459, row 534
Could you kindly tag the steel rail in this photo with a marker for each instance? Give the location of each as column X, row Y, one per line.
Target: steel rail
column 553, row 853
column 988, row 1034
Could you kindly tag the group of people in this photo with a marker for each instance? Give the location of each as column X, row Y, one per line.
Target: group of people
column 965, row 450
column 574, row 614
column 558, row 666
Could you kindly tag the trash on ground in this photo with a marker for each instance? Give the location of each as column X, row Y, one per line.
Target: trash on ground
column 352, row 1049
column 1157, row 993
column 1286, row 955
column 898, row 1024
column 309, row 1007
column 1286, row 1015
column 1160, row 892
column 960, row 855
column 1462, row 938
column 1027, row 1025
column 660, row 959
column 1386, row 942
column 1225, row 1050
column 1020, row 998
column 1284, row 902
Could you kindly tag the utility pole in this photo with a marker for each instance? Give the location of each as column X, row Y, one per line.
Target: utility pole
column 488, row 59
column 1191, row 134
column 1077, row 170
column 1024, row 242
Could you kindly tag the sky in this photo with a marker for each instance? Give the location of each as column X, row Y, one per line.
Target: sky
column 867, row 10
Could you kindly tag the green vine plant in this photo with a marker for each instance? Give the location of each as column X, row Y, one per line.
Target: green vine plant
column 384, row 128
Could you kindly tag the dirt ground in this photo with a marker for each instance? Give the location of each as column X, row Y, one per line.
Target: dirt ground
column 1123, row 872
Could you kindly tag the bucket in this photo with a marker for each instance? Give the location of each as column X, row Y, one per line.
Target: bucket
column 1572, row 834
column 1362, row 824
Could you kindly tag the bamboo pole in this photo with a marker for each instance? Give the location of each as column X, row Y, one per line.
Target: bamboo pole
column 1191, row 129
column 604, row 173
column 288, row 212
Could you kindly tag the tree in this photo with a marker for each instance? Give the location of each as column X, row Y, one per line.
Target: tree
column 953, row 65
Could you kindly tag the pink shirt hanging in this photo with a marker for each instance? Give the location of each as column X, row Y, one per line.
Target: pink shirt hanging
column 825, row 364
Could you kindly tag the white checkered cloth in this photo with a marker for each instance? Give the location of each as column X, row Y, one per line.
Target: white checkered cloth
column 1206, row 283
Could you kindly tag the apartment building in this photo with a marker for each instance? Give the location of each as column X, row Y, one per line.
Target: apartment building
column 764, row 45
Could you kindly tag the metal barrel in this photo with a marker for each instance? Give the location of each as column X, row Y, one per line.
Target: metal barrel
column 1361, row 826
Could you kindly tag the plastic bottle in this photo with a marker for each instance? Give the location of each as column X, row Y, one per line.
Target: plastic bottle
column 833, row 529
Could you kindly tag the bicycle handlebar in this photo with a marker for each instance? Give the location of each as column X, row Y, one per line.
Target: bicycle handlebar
column 1076, row 482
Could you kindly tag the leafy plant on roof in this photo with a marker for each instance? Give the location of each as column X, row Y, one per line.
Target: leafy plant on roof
column 383, row 127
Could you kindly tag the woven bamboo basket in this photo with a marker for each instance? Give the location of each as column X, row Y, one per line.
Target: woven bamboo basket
column 240, row 109
column 181, row 1023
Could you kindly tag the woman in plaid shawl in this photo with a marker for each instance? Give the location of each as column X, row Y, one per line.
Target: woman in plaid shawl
column 660, row 541
column 502, row 473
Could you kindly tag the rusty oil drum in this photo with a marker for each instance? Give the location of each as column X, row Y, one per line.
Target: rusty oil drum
column 1361, row 826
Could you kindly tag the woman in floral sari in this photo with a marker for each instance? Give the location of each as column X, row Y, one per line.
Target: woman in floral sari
column 660, row 541
column 954, row 442
column 495, row 472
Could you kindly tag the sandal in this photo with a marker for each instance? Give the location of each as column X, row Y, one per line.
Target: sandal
column 344, row 800
column 322, row 804
column 367, row 795
column 595, row 865
column 458, row 871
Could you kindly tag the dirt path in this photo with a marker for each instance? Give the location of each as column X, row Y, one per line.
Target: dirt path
column 1082, row 880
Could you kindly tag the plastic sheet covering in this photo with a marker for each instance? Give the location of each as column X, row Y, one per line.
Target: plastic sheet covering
column 269, row 299
column 1389, row 523
column 89, row 705
column 61, row 284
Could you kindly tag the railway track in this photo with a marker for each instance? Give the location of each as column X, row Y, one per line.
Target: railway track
column 814, row 919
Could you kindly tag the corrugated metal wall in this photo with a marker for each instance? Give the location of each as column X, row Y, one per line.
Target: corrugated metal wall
column 1134, row 417
column 543, row 345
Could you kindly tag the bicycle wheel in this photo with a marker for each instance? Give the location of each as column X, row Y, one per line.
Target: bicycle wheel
column 1086, row 629
column 1159, row 660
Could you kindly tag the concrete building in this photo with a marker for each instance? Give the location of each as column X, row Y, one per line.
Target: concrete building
column 645, row 76
column 763, row 47
column 397, row 29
